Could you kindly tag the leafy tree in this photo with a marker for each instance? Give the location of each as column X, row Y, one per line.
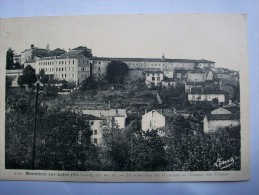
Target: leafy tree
column 8, row 82
column 43, row 77
column 116, row 72
column 88, row 84
column 9, row 59
column 28, row 77
column 62, row 141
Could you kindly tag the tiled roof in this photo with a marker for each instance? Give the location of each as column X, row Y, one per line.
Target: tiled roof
column 91, row 117
column 152, row 60
column 223, row 116
column 206, row 91
column 106, row 113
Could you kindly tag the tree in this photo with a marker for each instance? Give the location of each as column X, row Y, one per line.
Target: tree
column 9, row 59
column 88, row 84
column 43, row 77
column 28, row 77
column 8, row 82
column 116, row 72
column 62, row 141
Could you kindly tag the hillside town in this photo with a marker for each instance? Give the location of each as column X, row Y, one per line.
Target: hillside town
column 130, row 99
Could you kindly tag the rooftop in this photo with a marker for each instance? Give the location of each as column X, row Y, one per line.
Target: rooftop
column 91, row 117
column 106, row 113
column 153, row 60
column 223, row 116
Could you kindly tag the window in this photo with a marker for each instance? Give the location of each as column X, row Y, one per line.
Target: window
column 95, row 132
column 73, row 61
column 95, row 140
column 153, row 78
column 158, row 78
column 99, row 68
column 193, row 97
column 91, row 123
column 147, row 74
column 99, row 62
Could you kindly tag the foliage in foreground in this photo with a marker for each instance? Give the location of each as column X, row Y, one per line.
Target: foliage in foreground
column 63, row 143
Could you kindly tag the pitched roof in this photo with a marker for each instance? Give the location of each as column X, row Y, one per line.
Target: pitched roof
column 206, row 91
column 220, row 111
column 152, row 60
column 106, row 113
column 91, row 117
column 223, row 116
column 234, row 108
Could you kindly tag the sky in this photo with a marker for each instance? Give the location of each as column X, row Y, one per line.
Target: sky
column 221, row 38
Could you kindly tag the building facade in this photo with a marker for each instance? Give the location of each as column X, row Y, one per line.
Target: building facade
column 195, row 97
column 154, row 78
column 72, row 69
column 220, row 118
column 152, row 120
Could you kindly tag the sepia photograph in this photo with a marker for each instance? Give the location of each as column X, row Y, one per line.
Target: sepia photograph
column 120, row 98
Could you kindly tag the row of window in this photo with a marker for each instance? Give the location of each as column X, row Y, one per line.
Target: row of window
column 63, row 76
column 57, row 62
column 153, row 74
column 155, row 78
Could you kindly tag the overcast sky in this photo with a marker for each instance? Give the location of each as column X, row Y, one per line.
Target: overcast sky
column 221, row 37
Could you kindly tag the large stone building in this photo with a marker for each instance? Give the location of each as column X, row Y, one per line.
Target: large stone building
column 166, row 65
column 73, row 66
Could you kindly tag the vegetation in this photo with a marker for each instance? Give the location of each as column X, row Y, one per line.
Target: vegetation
column 28, row 77
column 116, row 72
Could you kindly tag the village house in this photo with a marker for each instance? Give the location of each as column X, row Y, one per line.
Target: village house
column 201, row 80
column 152, row 120
column 169, row 82
column 96, row 127
column 206, row 95
column 154, row 77
column 220, row 118
column 112, row 117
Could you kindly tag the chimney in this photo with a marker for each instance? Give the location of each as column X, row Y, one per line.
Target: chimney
column 32, row 46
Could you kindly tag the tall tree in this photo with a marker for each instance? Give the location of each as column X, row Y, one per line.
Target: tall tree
column 9, row 59
column 28, row 77
column 116, row 71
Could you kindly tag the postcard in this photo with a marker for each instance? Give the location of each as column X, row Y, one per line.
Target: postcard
column 125, row 98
